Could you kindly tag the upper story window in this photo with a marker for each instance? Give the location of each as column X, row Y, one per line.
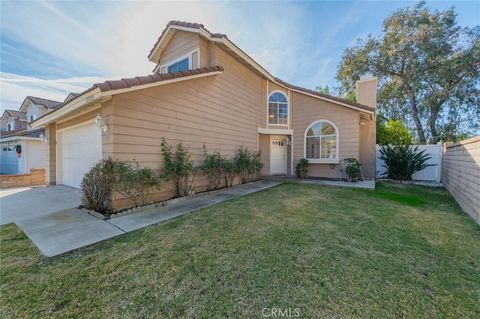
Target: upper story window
column 32, row 118
column 181, row 65
column 189, row 61
column 278, row 109
column 321, row 141
column 10, row 126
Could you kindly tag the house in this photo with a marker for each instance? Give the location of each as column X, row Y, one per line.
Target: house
column 205, row 90
column 21, row 147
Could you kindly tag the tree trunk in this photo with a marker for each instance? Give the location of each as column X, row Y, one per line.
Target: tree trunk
column 432, row 124
column 418, row 123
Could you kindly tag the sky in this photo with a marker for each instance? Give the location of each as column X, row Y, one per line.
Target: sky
column 50, row 48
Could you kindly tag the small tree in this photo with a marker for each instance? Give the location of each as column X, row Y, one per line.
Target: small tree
column 394, row 132
column 402, row 161
column 178, row 167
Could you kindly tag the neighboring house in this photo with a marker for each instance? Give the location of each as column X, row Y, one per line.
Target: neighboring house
column 215, row 95
column 13, row 120
column 17, row 137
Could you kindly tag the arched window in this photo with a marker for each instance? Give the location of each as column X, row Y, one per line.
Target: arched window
column 277, row 109
column 321, row 141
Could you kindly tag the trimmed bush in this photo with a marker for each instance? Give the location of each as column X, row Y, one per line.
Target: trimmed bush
column 301, row 170
column 352, row 169
column 402, row 161
column 132, row 181
column 97, row 186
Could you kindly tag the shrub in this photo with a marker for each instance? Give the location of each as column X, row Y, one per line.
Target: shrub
column 352, row 169
column 178, row 167
column 247, row 164
column 402, row 161
column 214, row 168
column 230, row 172
column 97, row 186
column 394, row 132
column 106, row 176
column 301, row 170
column 136, row 182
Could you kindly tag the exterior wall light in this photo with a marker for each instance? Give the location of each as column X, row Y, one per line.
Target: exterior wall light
column 100, row 123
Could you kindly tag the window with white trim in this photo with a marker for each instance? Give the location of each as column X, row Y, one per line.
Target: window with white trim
column 277, row 109
column 321, row 141
column 181, row 65
column 10, row 126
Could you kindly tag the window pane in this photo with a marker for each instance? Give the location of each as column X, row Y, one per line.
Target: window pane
column 314, row 130
column 179, row 66
column 313, row 147
column 272, row 113
column 327, row 129
column 328, row 147
column 282, row 114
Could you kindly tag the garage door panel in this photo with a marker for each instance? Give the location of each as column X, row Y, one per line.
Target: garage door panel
column 81, row 148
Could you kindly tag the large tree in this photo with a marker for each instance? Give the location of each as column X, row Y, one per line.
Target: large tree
column 428, row 69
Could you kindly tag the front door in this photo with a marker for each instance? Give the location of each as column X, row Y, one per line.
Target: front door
column 278, row 156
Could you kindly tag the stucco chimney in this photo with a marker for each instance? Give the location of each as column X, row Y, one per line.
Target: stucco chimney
column 367, row 92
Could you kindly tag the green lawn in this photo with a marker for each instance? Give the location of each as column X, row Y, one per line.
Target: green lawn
column 399, row 251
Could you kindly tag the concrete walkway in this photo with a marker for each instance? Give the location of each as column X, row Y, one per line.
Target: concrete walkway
column 65, row 230
column 18, row 204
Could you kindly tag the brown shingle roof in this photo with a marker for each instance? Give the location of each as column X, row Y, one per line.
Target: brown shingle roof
column 330, row 97
column 142, row 80
column 19, row 114
column 71, row 96
column 24, row 133
column 185, row 25
column 49, row 104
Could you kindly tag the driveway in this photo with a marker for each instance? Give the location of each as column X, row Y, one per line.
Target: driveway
column 19, row 204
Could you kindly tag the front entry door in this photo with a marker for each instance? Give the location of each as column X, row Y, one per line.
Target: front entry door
column 278, row 156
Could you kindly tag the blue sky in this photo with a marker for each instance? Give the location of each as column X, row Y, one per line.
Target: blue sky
column 49, row 48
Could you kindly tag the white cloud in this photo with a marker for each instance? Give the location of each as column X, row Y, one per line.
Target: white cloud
column 14, row 88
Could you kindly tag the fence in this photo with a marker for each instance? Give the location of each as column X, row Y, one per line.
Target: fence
column 34, row 178
column 461, row 174
column 431, row 173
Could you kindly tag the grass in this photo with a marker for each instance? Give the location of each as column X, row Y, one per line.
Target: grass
column 399, row 251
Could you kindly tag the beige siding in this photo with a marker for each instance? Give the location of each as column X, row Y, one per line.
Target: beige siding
column 181, row 44
column 307, row 110
column 265, row 153
column 461, row 174
column 367, row 147
column 205, row 53
column 51, row 133
column 90, row 116
column 221, row 112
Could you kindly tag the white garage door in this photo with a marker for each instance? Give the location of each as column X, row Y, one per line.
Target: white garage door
column 81, row 148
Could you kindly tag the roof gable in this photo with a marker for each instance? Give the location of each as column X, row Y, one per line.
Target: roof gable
column 49, row 104
column 220, row 38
